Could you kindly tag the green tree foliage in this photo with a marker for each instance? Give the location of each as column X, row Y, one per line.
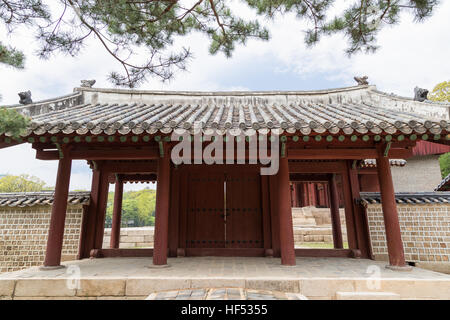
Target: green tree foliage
column 137, row 206
column 11, row 57
column 441, row 92
column 12, row 122
column 444, row 161
column 22, row 183
column 122, row 26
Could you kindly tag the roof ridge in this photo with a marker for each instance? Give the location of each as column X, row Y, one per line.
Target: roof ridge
column 230, row 93
column 40, row 193
column 46, row 101
column 393, row 95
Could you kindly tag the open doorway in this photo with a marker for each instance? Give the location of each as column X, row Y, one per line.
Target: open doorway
column 137, row 216
column 312, row 211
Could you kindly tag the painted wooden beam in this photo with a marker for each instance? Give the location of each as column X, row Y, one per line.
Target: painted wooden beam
column 102, row 154
column 344, row 154
column 317, row 253
column 130, row 167
column 121, row 253
column 317, row 167
column 298, row 177
column 137, row 177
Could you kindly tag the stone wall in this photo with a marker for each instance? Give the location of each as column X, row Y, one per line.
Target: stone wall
column 420, row 174
column 24, row 231
column 425, row 233
column 132, row 237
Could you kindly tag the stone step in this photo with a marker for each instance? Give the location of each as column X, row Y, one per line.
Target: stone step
column 367, row 296
column 304, row 222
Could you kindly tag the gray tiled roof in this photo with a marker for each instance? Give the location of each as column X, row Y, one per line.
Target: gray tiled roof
column 29, row 199
column 360, row 109
column 444, row 185
column 408, row 197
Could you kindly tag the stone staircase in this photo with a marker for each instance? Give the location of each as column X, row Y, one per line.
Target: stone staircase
column 303, row 217
column 313, row 224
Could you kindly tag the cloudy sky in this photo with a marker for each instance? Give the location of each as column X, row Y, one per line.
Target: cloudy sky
column 410, row 55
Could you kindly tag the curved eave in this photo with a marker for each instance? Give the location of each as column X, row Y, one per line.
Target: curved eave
column 332, row 112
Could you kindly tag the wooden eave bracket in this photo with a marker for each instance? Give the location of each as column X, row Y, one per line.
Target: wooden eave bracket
column 283, row 146
column 161, row 149
column 387, row 148
column 160, row 142
column 60, row 150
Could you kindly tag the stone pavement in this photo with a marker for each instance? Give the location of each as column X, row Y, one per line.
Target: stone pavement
column 225, row 294
column 134, row 278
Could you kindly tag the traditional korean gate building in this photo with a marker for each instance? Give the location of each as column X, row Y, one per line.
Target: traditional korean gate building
column 228, row 209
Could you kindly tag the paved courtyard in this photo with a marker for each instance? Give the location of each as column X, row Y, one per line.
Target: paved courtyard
column 224, row 294
column 315, row 278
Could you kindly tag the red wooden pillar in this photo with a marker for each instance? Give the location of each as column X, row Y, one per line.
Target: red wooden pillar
column 349, row 216
column 291, row 190
column 295, row 195
column 285, row 215
column 274, row 215
column 267, row 235
column 117, row 214
column 58, row 217
column 390, row 214
column 101, row 210
column 360, row 219
column 162, row 209
column 174, row 217
column 311, row 194
column 92, row 233
column 335, row 216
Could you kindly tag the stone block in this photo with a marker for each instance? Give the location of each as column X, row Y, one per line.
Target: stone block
column 54, row 298
column 43, row 288
column 217, row 283
column 323, row 287
column 143, row 287
column 139, row 232
column 404, row 287
column 283, row 285
column 132, row 238
column 6, row 287
column 127, row 245
column 367, row 296
column 101, row 287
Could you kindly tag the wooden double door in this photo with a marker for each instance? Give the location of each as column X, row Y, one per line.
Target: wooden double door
column 224, row 209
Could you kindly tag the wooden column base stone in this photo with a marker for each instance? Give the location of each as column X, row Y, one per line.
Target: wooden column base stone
column 399, row 268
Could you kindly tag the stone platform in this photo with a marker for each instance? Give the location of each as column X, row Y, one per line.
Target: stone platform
column 314, row 278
